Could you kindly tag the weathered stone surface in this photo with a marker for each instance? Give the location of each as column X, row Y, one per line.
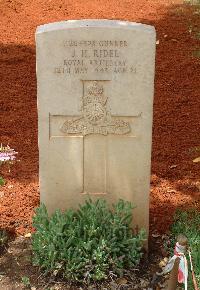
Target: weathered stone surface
column 95, row 95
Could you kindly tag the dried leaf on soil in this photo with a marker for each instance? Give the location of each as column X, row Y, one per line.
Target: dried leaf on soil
column 196, row 160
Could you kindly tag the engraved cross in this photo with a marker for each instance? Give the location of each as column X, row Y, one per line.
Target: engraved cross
column 95, row 126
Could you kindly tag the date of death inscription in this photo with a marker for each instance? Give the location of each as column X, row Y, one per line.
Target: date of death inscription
column 105, row 56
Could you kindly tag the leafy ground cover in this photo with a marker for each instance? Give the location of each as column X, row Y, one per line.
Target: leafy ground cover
column 17, row 271
column 89, row 244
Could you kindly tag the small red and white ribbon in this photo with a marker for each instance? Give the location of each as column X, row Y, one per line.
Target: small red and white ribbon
column 179, row 252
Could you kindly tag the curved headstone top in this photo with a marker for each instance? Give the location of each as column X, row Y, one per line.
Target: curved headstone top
column 94, row 23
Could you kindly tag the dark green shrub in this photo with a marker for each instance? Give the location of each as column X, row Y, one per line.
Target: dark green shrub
column 86, row 244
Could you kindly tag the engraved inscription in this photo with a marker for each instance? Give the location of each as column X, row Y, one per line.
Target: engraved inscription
column 96, row 117
column 104, row 56
column 95, row 43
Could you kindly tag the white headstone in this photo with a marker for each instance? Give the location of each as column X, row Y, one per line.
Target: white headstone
column 95, row 81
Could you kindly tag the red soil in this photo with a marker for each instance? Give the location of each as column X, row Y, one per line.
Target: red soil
column 176, row 127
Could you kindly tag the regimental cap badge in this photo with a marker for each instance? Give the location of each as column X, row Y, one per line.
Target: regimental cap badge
column 94, row 93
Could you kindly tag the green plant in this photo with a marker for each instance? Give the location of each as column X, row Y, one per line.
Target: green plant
column 2, row 181
column 188, row 223
column 26, row 281
column 86, row 244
